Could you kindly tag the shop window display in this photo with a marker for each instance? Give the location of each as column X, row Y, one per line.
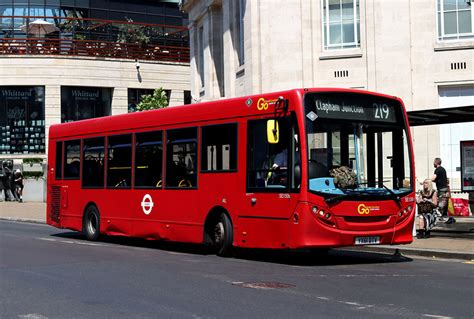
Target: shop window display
column 22, row 129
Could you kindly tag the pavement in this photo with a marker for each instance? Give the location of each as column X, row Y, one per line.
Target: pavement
column 455, row 241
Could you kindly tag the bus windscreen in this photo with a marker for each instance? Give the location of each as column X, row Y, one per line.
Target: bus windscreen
column 357, row 146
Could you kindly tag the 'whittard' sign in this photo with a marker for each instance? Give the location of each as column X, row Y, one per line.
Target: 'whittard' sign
column 14, row 94
column 83, row 95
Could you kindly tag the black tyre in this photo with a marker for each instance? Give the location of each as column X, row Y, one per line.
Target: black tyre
column 223, row 236
column 91, row 223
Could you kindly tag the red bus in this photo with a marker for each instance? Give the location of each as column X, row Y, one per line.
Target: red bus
column 303, row 168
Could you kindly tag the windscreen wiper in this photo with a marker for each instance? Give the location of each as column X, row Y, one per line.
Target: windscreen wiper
column 394, row 195
column 339, row 197
column 335, row 198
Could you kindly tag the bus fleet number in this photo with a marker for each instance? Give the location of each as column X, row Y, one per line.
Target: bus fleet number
column 381, row 111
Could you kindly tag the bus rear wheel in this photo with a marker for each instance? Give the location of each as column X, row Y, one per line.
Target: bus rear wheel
column 91, row 223
column 222, row 236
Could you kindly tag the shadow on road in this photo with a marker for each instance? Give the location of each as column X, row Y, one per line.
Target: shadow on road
column 321, row 257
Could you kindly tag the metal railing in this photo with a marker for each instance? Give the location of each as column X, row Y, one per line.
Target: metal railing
column 93, row 48
column 101, row 38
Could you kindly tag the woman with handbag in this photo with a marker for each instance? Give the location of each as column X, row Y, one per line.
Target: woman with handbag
column 427, row 200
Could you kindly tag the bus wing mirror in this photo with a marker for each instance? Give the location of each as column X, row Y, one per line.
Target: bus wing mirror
column 272, row 132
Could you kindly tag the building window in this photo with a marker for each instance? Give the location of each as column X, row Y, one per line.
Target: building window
column 22, row 120
column 135, row 97
column 341, row 24
column 187, row 97
column 455, row 19
column 80, row 103
column 200, row 55
column 239, row 29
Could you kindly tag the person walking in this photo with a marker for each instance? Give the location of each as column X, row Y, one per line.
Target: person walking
column 6, row 181
column 18, row 185
column 441, row 179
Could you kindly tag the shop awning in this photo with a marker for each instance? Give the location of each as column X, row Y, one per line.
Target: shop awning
column 441, row 116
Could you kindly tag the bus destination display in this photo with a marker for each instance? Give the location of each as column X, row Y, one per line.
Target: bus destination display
column 351, row 107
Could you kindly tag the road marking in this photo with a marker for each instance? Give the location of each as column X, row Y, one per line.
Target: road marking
column 71, row 242
column 470, row 262
column 32, row 316
column 436, row 316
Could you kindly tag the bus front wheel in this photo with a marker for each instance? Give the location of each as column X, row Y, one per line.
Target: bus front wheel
column 91, row 223
column 223, row 236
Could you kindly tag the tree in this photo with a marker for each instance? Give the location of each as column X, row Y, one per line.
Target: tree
column 157, row 100
column 133, row 33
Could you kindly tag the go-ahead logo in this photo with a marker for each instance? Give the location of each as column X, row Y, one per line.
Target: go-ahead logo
column 262, row 104
column 365, row 210
column 147, row 204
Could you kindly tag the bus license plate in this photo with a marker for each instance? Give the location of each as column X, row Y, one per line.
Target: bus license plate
column 374, row 240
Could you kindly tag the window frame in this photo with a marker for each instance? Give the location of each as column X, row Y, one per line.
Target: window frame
column 439, row 14
column 325, row 27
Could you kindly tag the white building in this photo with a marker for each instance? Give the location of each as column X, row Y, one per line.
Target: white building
column 419, row 50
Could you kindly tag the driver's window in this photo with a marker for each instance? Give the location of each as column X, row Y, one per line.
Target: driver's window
column 268, row 163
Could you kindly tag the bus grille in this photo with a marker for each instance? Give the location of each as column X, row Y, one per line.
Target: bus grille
column 55, row 203
column 366, row 219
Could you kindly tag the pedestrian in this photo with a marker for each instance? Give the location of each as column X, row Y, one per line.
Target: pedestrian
column 441, row 179
column 2, row 176
column 427, row 200
column 6, row 181
column 13, row 187
column 18, row 185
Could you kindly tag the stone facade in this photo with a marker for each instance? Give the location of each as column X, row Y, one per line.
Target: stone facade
column 399, row 54
column 54, row 72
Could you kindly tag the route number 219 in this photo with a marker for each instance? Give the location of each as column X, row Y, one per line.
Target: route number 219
column 381, row 111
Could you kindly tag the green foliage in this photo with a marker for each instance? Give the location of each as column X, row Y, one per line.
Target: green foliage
column 31, row 175
column 133, row 33
column 157, row 100
column 33, row 160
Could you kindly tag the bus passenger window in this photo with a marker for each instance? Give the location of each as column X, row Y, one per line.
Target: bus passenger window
column 93, row 153
column 72, row 159
column 219, row 148
column 181, row 159
column 149, row 159
column 59, row 160
column 119, row 161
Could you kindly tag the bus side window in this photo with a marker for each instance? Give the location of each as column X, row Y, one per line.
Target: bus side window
column 119, row 161
column 181, row 158
column 93, row 153
column 59, row 161
column 219, row 148
column 149, row 159
column 72, row 159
